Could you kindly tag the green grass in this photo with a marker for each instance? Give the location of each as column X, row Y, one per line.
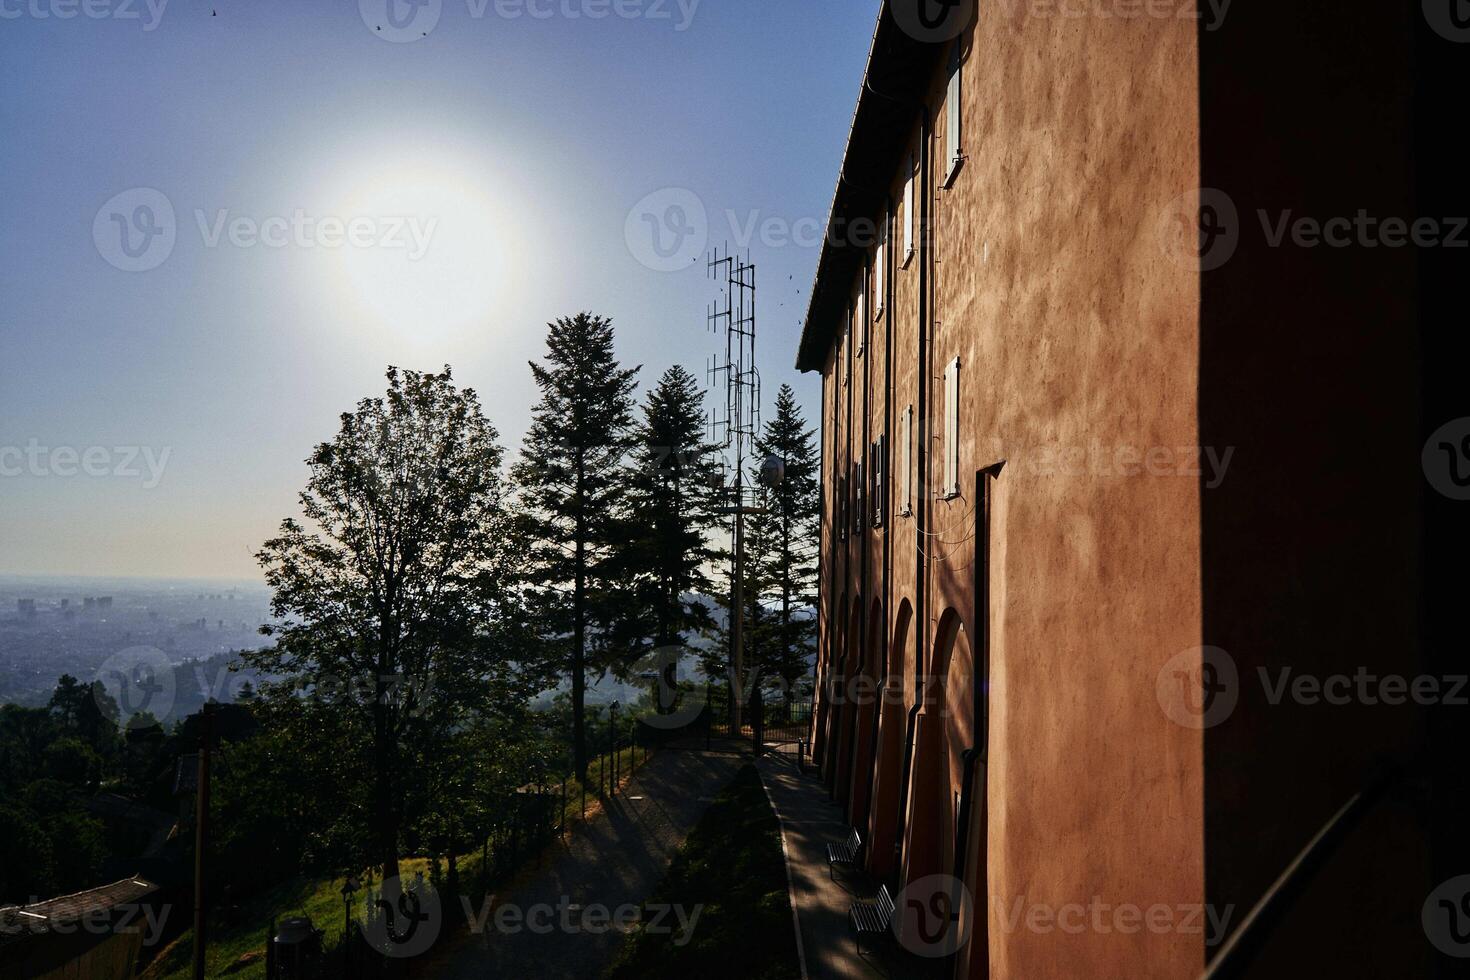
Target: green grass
column 732, row 865
column 237, row 948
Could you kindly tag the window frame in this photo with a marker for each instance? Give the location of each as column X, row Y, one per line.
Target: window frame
column 878, row 470
column 951, row 483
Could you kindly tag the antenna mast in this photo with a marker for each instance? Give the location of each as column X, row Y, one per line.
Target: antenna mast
column 733, row 426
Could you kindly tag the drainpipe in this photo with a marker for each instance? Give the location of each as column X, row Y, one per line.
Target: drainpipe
column 880, row 657
column 972, row 798
column 921, row 468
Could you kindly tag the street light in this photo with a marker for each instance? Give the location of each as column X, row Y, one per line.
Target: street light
column 349, row 888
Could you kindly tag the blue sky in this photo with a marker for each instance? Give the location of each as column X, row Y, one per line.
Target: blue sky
column 342, row 201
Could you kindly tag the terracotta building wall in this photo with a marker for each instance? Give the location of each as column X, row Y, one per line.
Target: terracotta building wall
column 1076, row 333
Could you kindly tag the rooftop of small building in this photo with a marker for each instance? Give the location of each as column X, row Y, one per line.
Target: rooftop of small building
column 20, row 921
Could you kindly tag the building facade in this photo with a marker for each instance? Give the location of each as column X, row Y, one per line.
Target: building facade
column 1082, row 508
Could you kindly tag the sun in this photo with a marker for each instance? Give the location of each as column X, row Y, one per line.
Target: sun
column 424, row 249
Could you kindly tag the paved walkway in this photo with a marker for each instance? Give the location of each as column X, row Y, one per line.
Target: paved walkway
column 617, row 858
column 809, row 821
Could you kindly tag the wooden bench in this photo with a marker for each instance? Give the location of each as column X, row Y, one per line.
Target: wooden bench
column 871, row 918
column 847, row 853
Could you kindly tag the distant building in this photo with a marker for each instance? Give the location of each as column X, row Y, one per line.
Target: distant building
column 26, row 608
column 104, row 602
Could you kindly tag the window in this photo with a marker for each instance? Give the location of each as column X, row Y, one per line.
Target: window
column 859, row 497
column 880, row 268
column 878, row 466
column 905, row 462
column 951, row 486
column 909, row 218
column 861, row 313
column 841, row 509
column 841, row 360
column 953, row 155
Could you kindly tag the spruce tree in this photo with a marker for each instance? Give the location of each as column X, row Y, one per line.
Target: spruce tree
column 573, row 484
column 670, row 519
column 786, row 538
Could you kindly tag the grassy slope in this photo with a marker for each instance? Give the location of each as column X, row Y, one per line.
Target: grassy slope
column 321, row 899
column 733, row 865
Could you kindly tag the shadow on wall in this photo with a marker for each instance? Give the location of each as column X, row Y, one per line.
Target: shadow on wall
column 1310, row 368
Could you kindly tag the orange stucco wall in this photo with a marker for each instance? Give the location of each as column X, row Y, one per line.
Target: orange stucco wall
column 1077, row 333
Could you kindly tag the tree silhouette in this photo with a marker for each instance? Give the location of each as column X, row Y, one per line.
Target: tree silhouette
column 392, row 594
column 670, row 517
column 573, row 484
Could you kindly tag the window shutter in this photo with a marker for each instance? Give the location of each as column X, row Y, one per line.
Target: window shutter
column 862, row 314
column 841, row 357
column 952, row 132
column 952, row 428
column 905, row 463
column 842, row 508
column 908, row 211
column 880, row 263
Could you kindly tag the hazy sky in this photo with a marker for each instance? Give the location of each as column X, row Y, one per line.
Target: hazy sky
column 220, row 229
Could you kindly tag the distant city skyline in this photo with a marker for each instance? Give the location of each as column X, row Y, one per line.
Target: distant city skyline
column 212, row 273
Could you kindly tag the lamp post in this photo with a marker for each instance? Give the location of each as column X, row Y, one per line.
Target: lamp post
column 349, row 888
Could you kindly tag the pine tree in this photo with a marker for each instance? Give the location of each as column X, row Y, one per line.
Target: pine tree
column 786, row 537
column 670, row 519
column 573, row 483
